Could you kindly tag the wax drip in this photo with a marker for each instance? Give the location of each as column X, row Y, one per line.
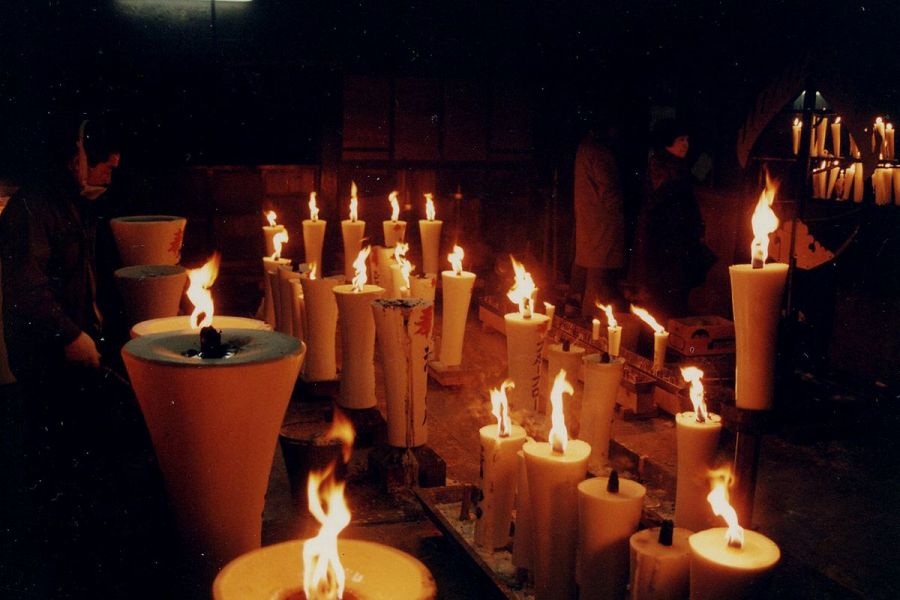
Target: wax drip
column 612, row 486
column 665, row 532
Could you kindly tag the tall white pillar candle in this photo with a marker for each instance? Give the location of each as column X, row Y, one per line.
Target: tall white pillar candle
column 269, row 232
column 404, row 328
column 313, row 240
column 457, row 296
column 352, row 233
column 696, row 444
column 821, row 132
column 721, row 572
column 320, row 330
column 394, row 231
column 660, row 343
column 659, row 571
column 430, row 232
column 498, row 473
column 836, row 137
column 270, row 265
column 524, row 346
column 523, row 541
column 598, row 405
column 756, row 303
column 285, row 316
column 614, row 335
column 552, row 488
column 357, row 345
column 563, row 356
column 606, row 520
column 298, row 316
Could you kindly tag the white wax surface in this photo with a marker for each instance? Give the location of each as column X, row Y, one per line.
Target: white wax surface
column 183, row 323
column 320, row 308
column 523, row 542
column 499, row 472
column 430, row 232
column 313, row 239
column 569, row 360
column 269, row 235
column 352, row 233
column 601, row 386
column 719, row 572
column 524, row 345
column 696, row 445
column 615, row 340
column 394, row 231
column 659, row 572
column 660, row 343
column 357, row 327
column 457, row 296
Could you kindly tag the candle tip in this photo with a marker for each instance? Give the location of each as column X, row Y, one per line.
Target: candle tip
column 666, row 532
column 566, row 345
column 612, row 486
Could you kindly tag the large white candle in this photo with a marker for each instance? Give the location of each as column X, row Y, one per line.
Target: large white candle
column 660, row 564
column 285, row 304
column 382, row 261
column 554, row 470
column 320, row 328
column 430, row 233
column 722, row 572
column 563, row 357
column 697, row 438
column 609, row 511
column 525, row 333
column 357, row 344
column 832, row 178
column 313, row 235
column 457, row 295
column 404, row 330
column 270, row 276
column 394, row 228
column 500, row 445
column 602, row 378
column 835, row 137
column 523, row 541
column 352, row 233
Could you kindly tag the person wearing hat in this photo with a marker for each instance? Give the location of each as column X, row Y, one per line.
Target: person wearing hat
column 669, row 257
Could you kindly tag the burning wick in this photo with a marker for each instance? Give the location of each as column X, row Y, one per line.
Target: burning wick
column 360, row 278
column 523, row 290
column 693, row 375
column 456, row 258
column 612, row 485
column 500, row 408
column 429, row 207
column 559, row 436
column 271, row 217
column 406, row 267
column 198, row 293
column 395, row 206
column 313, row 267
column 718, row 500
column 666, row 532
column 764, row 222
column 279, row 240
column 211, row 345
column 647, row 318
column 354, row 202
column 313, row 209
column 610, row 317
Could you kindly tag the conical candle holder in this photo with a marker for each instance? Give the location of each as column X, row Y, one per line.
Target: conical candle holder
column 150, row 291
column 182, row 323
column 148, row 239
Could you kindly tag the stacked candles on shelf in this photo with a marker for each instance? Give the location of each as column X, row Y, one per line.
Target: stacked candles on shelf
column 525, row 333
column 352, row 231
column 314, row 235
column 613, row 330
column 697, row 438
column 660, row 337
column 430, row 233
column 394, row 229
column 457, row 295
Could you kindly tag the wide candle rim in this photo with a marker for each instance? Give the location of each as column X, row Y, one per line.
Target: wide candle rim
column 256, row 347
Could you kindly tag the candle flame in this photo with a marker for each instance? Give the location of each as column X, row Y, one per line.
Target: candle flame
column 456, row 258
column 523, row 290
column 837, row 121
column 500, row 407
column 764, row 222
column 720, row 480
column 406, row 267
column 889, row 127
column 354, row 202
column 342, row 430
column 610, row 317
column 279, row 240
column 360, row 278
column 313, row 209
column 559, row 436
column 271, row 217
column 198, row 293
column 323, row 574
column 313, row 267
column 647, row 318
column 395, row 206
column 698, row 396
column 429, row 207
column 798, row 123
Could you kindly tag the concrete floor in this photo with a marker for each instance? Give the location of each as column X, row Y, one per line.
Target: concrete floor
column 827, row 491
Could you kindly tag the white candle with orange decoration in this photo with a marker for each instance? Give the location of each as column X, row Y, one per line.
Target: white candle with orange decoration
column 756, row 292
column 403, row 330
column 697, row 439
column 430, row 233
column 500, row 445
column 602, row 378
column 555, row 468
column 324, row 567
column 660, row 337
column 394, row 229
column 354, row 302
column 271, row 264
column 270, row 230
column 609, row 511
column 796, row 129
column 836, row 137
column 660, row 563
column 314, row 234
column 525, row 334
column 353, row 231
column 320, row 325
column 730, row 563
column 613, row 330
column 457, row 286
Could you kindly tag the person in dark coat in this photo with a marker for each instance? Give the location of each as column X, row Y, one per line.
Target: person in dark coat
column 669, row 256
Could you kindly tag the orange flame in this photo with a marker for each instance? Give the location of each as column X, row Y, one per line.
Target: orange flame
column 313, row 267
column 395, row 206
column 763, row 222
column 342, row 430
column 354, row 202
column 360, row 278
column 559, row 435
column 610, row 317
column 406, row 267
column 720, row 480
column 500, row 407
column 429, row 207
column 837, row 121
column 313, row 209
column 271, row 217
column 698, row 396
column 523, row 290
column 456, row 258
column 799, row 124
column 323, row 574
column 279, row 240
column 647, row 318
column 198, row 293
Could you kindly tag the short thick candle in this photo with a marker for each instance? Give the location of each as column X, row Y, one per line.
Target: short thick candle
column 524, row 346
column 394, row 231
column 430, row 232
column 321, row 311
column 357, row 345
column 457, row 295
column 721, row 572
column 756, row 301
column 601, row 386
column 606, row 521
column 313, row 239
column 559, row 357
column 696, row 449
column 552, row 488
column 499, row 472
column 352, row 233
column 659, row 572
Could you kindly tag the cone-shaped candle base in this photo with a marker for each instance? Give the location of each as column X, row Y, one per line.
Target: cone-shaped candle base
column 149, row 239
column 357, row 345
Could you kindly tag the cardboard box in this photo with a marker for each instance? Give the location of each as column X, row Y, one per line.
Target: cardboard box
column 699, row 336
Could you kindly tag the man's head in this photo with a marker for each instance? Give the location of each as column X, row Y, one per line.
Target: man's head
column 97, row 154
column 672, row 136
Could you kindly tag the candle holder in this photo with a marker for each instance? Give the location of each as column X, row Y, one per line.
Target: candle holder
column 149, row 239
column 150, row 291
column 214, row 424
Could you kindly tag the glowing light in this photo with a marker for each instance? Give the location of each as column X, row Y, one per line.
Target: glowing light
column 271, row 217
column 647, row 318
column 198, row 293
column 323, row 574
column 354, row 202
column 359, row 265
column 313, row 209
column 500, row 407
column 279, row 240
column 395, row 206
column 610, row 317
column 313, row 267
column 429, row 207
column 720, row 480
column 523, row 290
column 456, row 258
column 764, row 222
column 694, row 376
column 559, row 435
